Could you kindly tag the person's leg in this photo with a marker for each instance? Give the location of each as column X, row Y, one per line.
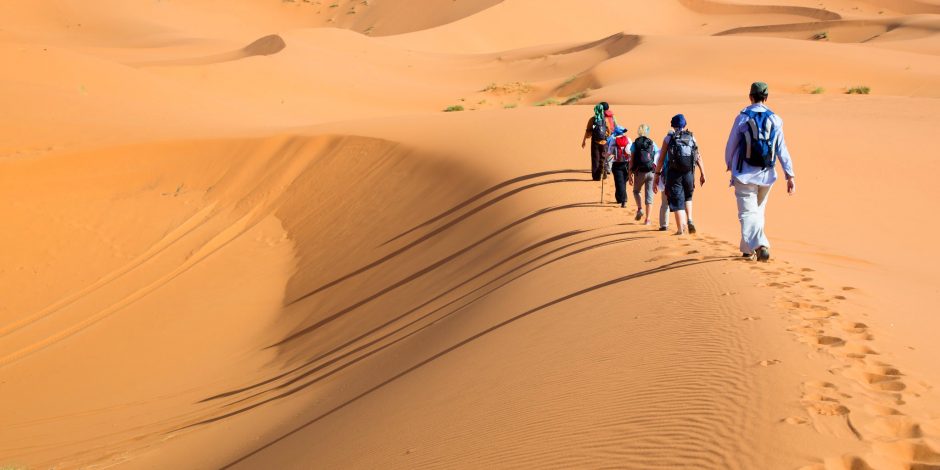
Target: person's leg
column 664, row 213
column 597, row 159
column 750, row 215
column 676, row 192
column 688, row 184
column 620, row 183
column 648, row 193
column 681, row 222
column 763, row 193
column 637, row 184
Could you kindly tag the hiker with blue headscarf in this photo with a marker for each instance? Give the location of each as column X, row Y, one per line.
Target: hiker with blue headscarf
column 681, row 158
column 599, row 128
column 754, row 147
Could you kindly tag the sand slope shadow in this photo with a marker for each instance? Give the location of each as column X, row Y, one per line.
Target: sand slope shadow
column 265, row 46
column 854, row 30
column 711, row 7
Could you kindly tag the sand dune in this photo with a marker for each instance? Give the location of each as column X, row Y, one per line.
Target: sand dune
column 244, row 235
column 721, row 8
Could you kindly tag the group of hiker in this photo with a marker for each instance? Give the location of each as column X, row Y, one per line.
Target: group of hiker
column 755, row 145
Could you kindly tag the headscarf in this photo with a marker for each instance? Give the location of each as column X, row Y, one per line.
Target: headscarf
column 678, row 121
column 599, row 113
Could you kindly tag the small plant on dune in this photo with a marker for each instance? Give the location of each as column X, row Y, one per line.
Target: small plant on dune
column 818, row 90
column 573, row 99
column 518, row 88
column 858, row 90
column 451, row 109
column 821, row 36
column 568, row 81
column 510, row 105
column 548, row 102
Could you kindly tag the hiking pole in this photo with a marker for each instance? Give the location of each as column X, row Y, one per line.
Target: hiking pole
column 603, row 179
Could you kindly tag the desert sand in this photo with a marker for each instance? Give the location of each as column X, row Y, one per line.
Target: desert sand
column 245, row 234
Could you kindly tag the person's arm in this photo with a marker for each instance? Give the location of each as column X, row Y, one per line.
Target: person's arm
column 701, row 166
column 664, row 155
column 588, row 132
column 734, row 140
column 783, row 154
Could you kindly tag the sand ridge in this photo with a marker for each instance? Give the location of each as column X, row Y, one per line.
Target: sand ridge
column 250, row 237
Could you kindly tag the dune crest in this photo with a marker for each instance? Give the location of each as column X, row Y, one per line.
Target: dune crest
column 355, row 234
column 713, row 7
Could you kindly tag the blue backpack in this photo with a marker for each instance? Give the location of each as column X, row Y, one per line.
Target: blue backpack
column 759, row 142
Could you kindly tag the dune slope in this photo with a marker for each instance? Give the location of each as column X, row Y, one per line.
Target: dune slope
column 237, row 243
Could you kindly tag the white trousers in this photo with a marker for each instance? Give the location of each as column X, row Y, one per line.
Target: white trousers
column 752, row 202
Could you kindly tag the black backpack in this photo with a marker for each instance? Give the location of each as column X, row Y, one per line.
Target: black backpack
column 600, row 131
column 643, row 154
column 682, row 152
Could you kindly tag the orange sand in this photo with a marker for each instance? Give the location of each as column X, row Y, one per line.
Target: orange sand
column 244, row 234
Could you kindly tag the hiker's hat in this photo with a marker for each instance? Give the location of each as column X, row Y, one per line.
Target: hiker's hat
column 620, row 130
column 605, row 105
column 678, row 121
column 759, row 88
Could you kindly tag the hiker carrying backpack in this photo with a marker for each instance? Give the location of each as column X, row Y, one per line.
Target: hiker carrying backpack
column 682, row 152
column 620, row 154
column 599, row 127
column 758, row 141
column 643, row 155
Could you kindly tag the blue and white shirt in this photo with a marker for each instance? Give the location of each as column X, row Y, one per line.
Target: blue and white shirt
column 755, row 174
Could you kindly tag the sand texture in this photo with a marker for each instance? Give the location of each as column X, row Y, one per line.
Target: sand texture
column 246, row 234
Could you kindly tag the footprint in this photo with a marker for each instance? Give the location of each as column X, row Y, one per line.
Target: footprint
column 908, row 451
column 750, row 318
column 881, row 410
column 860, row 350
column 832, row 341
column 828, row 408
column 854, row 327
column 769, row 362
column 795, row 420
column 848, row 288
column 840, row 297
column 897, row 427
column 891, row 386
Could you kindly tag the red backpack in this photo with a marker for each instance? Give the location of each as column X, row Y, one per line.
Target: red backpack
column 620, row 149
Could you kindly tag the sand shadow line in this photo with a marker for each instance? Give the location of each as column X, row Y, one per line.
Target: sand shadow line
column 438, row 309
column 428, row 236
column 427, row 269
column 667, row 267
column 477, row 197
column 381, row 348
